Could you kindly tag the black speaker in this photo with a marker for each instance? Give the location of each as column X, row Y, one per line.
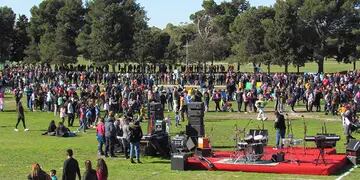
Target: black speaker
column 147, row 149
column 157, row 115
column 195, row 130
column 155, row 107
column 178, row 144
column 161, row 144
column 353, row 146
column 178, row 161
column 196, row 106
column 196, row 120
column 353, row 151
column 195, row 113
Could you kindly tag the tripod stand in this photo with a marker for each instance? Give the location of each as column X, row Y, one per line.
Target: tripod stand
column 290, row 141
column 320, row 144
column 289, row 132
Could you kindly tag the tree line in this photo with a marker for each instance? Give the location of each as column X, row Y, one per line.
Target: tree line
column 291, row 32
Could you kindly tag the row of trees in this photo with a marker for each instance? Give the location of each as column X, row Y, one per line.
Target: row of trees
column 291, row 32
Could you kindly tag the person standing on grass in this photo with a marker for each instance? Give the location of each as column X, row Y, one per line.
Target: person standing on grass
column 100, row 136
column 71, row 167
column 125, row 137
column 280, row 127
column 90, row 173
column 21, row 116
column 37, row 173
column 70, row 113
column 135, row 137
column 2, row 96
column 239, row 98
column 101, row 170
column 62, row 113
column 110, row 135
column 83, row 117
column 260, row 105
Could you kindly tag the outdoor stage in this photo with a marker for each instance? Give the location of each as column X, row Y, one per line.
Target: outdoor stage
column 297, row 161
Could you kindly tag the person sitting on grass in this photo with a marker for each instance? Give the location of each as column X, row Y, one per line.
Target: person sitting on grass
column 101, row 170
column 63, row 131
column 90, row 173
column 51, row 129
column 37, row 173
column 227, row 106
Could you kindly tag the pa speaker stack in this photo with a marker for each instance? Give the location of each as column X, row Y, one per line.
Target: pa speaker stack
column 353, row 151
column 156, row 112
column 195, row 127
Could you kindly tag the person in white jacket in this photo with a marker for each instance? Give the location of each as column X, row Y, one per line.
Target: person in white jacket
column 260, row 105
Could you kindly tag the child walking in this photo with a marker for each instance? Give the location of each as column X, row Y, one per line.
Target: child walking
column 177, row 119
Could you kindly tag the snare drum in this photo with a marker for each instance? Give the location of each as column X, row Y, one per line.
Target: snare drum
column 259, row 138
column 249, row 139
column 257, row 148
column 242, row 145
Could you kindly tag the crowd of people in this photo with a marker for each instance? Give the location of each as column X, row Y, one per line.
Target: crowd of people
column 71, row 170
column 116, row 102
column 83, row 92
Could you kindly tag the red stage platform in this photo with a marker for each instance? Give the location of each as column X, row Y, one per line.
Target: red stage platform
column 297, row 161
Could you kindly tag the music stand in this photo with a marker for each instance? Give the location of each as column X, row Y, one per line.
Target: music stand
column 320, row 144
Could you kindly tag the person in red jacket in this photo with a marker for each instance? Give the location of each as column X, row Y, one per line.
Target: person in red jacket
column 100, row 136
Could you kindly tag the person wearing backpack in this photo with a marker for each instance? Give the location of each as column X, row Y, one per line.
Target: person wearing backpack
column 135, row 137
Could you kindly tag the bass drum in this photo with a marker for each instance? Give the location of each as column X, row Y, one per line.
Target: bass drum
column 257, row 149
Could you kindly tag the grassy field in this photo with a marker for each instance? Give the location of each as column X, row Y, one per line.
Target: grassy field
column 20, row 149
column 330, row 66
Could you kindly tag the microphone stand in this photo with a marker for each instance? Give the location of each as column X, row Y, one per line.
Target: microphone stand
column 236, row 137
column 289, row 130
column 247, row 125
column 305, row 131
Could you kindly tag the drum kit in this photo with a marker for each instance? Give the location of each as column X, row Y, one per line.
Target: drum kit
column 251, row 148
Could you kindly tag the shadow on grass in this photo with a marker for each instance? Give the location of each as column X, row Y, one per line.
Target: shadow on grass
column 6, row 126
column 223, row 147
column 12, row 110
column 160, row 162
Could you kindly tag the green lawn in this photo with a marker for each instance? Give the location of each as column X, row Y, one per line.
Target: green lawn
column 20, row 149
column 330, row 66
